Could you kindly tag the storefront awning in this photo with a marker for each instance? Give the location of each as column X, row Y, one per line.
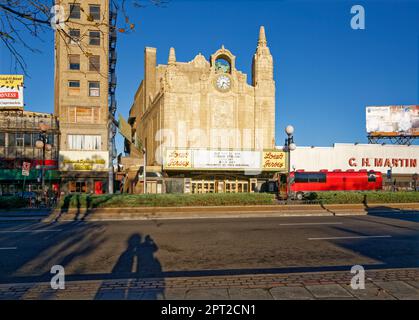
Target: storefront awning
column 16, row 174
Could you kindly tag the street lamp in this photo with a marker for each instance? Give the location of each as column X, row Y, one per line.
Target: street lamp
column 42, row 144
column 290, row 146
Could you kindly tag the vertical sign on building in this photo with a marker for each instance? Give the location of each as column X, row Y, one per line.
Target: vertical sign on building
column 26, row 167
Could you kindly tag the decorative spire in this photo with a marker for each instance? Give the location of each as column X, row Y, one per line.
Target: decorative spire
column 262, row 37
column 172, row 56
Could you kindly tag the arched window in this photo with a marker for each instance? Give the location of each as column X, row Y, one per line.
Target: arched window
column 222, row 65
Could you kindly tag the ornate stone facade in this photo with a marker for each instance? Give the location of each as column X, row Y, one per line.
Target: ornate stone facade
column 205, row 104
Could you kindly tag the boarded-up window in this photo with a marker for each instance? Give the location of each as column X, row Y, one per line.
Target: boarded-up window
column 84, row 115
column 96, row 115
column 72, row 114
column 94, row 63
column 73, row 88
column 74, row 62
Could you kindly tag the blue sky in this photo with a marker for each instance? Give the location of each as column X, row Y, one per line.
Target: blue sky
column 325, row 72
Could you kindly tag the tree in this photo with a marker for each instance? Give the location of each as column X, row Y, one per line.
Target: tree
column 23, row 20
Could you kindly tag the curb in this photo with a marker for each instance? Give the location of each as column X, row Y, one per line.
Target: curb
column 144, row 213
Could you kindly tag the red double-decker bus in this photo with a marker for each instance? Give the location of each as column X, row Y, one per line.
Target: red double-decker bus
column 303, row 182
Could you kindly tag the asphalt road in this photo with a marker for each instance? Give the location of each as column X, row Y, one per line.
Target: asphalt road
column 205, row 247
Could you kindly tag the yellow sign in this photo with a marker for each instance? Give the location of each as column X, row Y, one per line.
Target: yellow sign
column 11, row 91
column 274, row 160
column 178, row 159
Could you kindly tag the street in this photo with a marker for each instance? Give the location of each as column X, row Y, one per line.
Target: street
column 170, row 249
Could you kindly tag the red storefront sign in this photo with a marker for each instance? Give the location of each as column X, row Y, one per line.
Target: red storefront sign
column 383, row 162
column 9, row 95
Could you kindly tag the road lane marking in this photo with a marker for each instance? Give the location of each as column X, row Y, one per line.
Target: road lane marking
column 9, row 248
column 29, row 231
column 309, row 223
column 354, row 237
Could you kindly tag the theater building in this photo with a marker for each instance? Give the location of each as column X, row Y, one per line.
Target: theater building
column 204, row 124
column 402, row 160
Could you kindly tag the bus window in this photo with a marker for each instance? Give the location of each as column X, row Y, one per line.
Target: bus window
column 372, row 177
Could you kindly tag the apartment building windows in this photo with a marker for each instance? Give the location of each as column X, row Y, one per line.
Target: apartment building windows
column 74, row 62
column 74, row 36
column 2, row 139
column 94, row 38
column 94, row 63
column 74, row 11
column 94, row 89
column 73, row 87
column 94, row 11
column 84, row 142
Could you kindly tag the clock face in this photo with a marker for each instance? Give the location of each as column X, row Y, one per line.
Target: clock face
column 223, row 82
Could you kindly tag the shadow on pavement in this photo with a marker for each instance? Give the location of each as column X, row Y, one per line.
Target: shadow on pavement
column 137, row 261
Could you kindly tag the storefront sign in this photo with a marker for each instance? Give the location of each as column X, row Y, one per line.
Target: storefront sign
column 235, row 160
column 201, row 159
column 274, row 160
column 11, row 91
column 382, row 163
column 84, row 160
column 178, row 159
column 345, row 156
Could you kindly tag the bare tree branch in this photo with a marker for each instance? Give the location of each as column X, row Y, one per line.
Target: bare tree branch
column 19, row 18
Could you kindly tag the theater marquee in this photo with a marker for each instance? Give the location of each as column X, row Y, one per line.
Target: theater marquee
column 224, row 160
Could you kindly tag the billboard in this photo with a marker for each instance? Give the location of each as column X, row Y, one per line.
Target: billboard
column 202, row 159
column 393, row 120
column 11, row 91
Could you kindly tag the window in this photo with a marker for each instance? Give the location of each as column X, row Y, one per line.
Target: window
column 222, row 65
column 94, row 38
column 77, row 187
column 94, row 63
column 94, row 89
column 94, row 11
column 372, row 177
column 74, row 61
column 19, row 139
column 12, row 140
column 309, row 177
column 84, row 142
column 28, row 139
column 74, row 84
column 73, row 87
column 75, row 11
column 51, row 139
column 74, row 36
column 2, row 139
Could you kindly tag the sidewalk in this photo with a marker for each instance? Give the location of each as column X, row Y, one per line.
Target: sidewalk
column 389, row 284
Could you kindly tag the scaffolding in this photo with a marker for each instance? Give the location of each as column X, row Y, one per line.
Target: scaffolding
column 406, row 140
